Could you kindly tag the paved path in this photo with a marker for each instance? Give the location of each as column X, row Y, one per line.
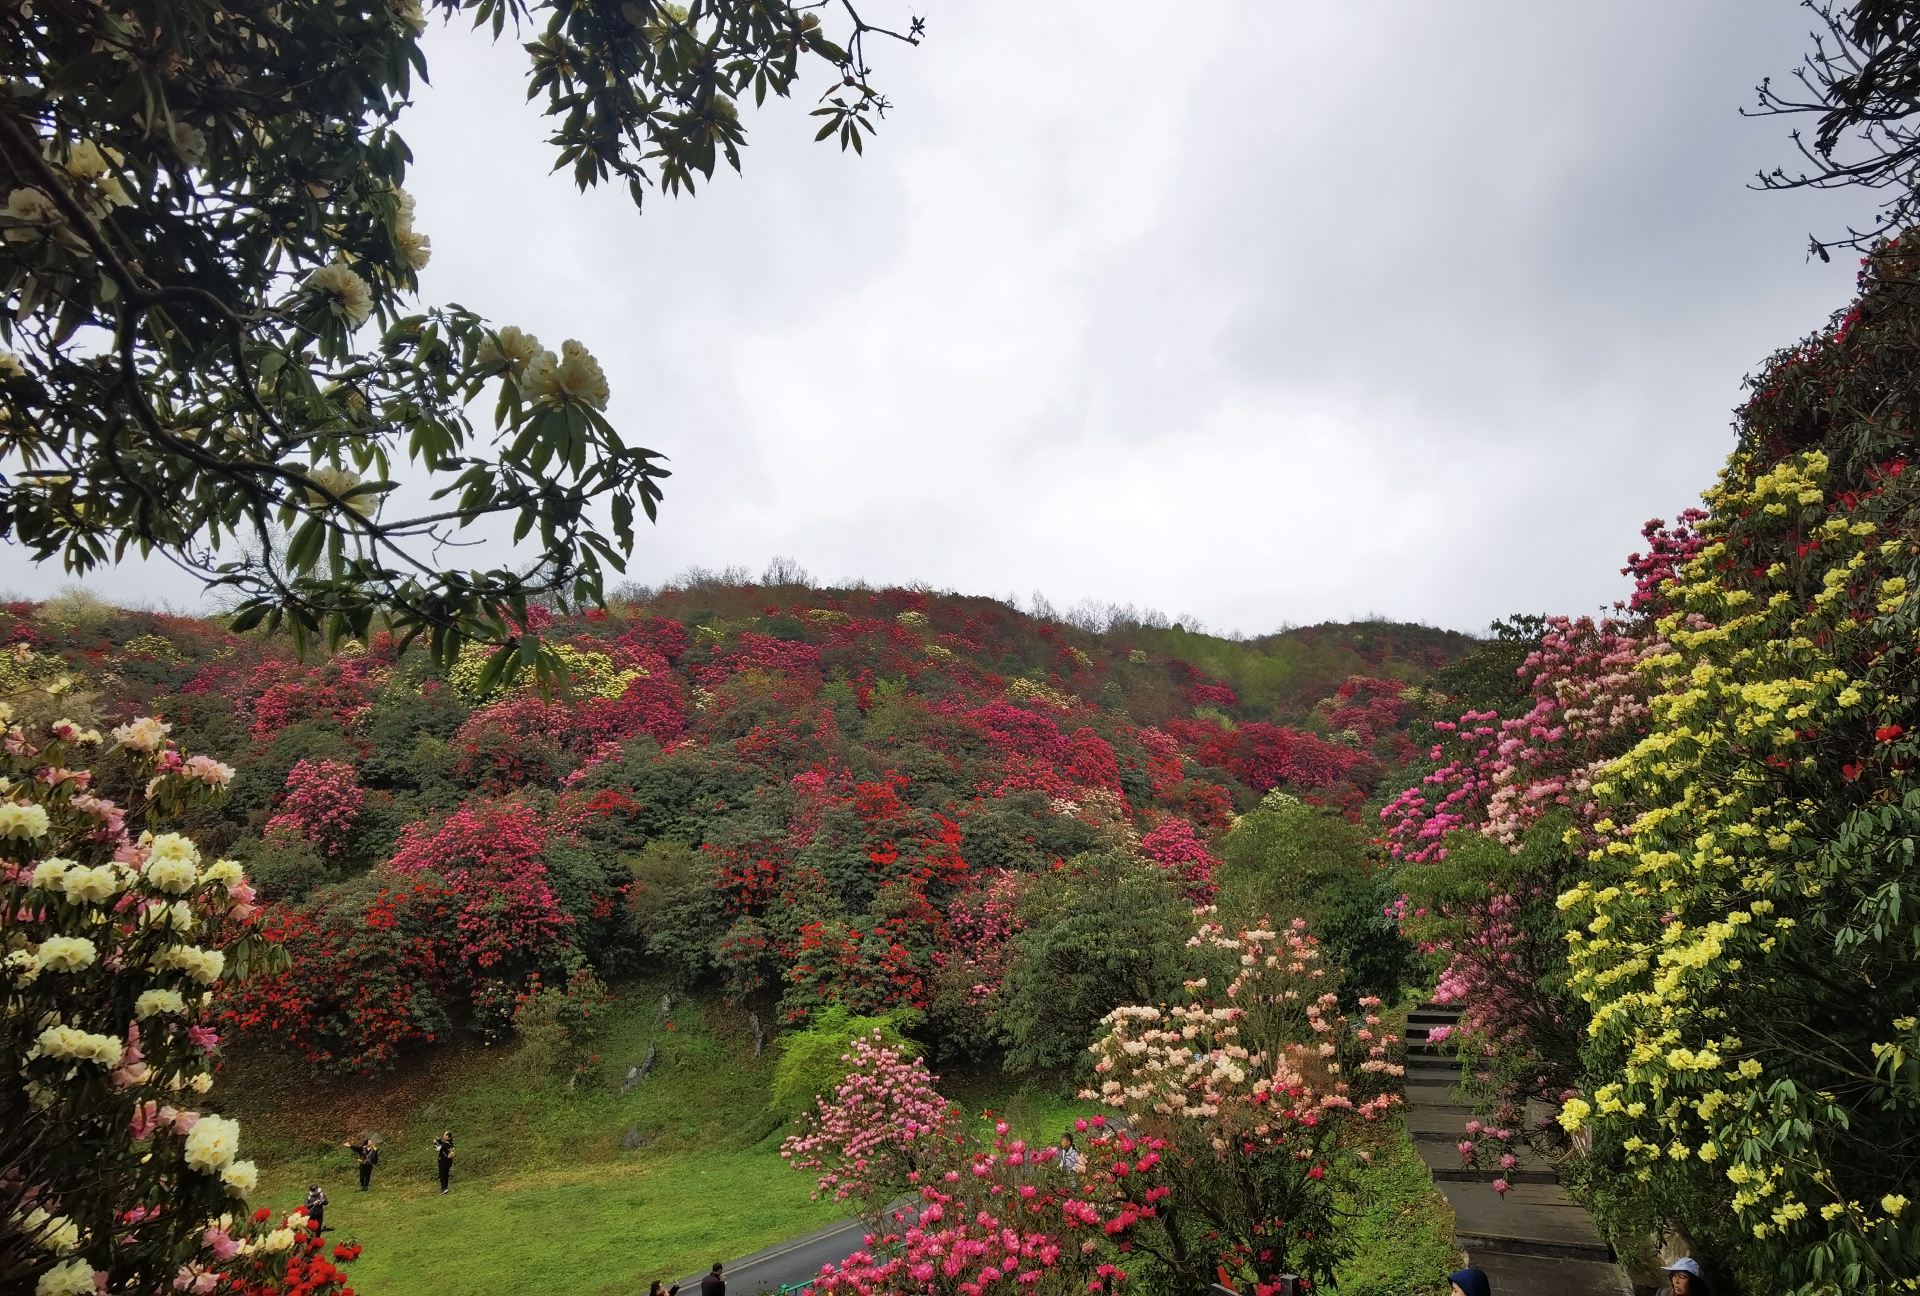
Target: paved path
column 786, row 1263
column 1535, row 1238
column 796, row 1260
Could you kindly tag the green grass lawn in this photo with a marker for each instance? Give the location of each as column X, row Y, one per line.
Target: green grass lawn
column 543, row 1192
column 545, row 1197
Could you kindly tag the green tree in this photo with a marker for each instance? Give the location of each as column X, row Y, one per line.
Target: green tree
column 813, row 1061
column 209, row 264
column 1289, row 860
column 1104, row 931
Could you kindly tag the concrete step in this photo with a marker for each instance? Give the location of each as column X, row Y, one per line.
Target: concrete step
column 1442, row 1120
column 1443, row 1159
column 1530, row 1219
column 1550, row 1276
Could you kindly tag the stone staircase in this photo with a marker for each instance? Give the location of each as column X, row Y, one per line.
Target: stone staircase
column 1535, row 1238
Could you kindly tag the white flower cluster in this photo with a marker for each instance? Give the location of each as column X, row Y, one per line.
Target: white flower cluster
column 55, row 1233
column 336, row 482
column 71, row 1043
column 511, row 349
column 22, row 822
column 415, row 248
column 212, row 1144
column 146, row 734
column 573, row 376
column 173, row 864
column 70, row 1278
column 348, row 290
column 204, row 966
column 240, row 1178
column 65, row 954
column 152, row 1002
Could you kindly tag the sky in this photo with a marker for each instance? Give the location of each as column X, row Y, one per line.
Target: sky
column 1250, row 311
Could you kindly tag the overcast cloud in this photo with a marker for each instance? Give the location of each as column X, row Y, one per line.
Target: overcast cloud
column 1257, row 312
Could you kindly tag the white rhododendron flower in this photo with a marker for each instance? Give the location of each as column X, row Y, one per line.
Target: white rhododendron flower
column 22, row 967
column 68, row 1042
column 514, row 348
column 66, row 953
column 174, row 876
column 10, row 366
column 144, row 735
column 172, row 846
column 55, row 1233
column 210, row 771
column 70, row 1278
column 572, row 376
column 49, row 873
column 226, row 872
column 337, row 482
column 202, row 965
column 240, row 1178
column 337, row 280
column 34, row 207
column 201, row 1083
column 415, row 248
column 91, row 885
column 278, row 1240
column 212, row 1144
column 22, row 822
column 151, row 1002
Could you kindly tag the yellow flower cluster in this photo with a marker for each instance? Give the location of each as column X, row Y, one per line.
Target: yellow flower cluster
column 1675, row 933
column 589, row 674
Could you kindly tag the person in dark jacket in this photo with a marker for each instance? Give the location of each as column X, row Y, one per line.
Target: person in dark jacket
column 715, row 1283
column 368, row 1153
column 1470, row 1282
column 317, row 1207
column 443, row 1157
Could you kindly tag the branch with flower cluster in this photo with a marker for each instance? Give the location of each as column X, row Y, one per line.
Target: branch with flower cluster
column 113, row 946
column 1259, row 1097
column 201, row 217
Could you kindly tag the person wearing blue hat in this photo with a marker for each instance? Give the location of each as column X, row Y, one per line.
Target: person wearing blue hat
column 1470, row 1282
column 1684, row 1279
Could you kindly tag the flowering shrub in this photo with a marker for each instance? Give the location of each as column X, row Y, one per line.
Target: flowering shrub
column 1173, row 847
column 369, row 974
column 873, row 1133
column 113, row 944
column 558, row 1026
column 984, row 1213
column 321, row 803
column 1255, row 1096
column 506, row 919
column 1745, row 940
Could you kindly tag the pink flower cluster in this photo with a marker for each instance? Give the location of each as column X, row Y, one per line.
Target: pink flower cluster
column 1172, row 845
column 321, row 803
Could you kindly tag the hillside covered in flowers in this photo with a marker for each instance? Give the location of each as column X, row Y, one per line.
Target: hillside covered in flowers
column 878, row 799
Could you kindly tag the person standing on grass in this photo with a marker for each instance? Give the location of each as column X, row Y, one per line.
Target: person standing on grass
column 1069, row 1154
column 443, row 1156
column 369, row 1154
column 317, row 1208
column 715, row 1283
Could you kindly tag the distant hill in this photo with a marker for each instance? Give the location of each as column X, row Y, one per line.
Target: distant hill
column 810, row 793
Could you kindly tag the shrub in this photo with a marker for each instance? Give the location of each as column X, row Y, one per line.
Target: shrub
column 111, row 945
column 559, row 1026
column 1103, row 930
column 814, row 1060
